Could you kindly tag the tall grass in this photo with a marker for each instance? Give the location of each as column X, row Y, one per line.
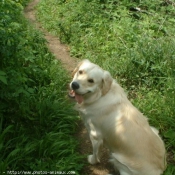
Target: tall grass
column 135, row 41
column 37, row 122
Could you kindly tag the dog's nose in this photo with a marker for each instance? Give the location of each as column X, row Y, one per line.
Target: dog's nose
column 75, row 85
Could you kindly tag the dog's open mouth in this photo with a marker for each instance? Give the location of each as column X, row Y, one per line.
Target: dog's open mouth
column 78, row 97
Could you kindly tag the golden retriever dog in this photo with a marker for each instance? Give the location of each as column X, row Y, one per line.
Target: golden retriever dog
column 110, row 118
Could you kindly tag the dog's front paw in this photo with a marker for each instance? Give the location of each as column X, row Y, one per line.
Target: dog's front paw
column 92, row 159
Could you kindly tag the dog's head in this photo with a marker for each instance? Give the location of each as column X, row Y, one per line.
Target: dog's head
column 89, row 83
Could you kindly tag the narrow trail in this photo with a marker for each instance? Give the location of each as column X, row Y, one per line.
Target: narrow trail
column 61, row 52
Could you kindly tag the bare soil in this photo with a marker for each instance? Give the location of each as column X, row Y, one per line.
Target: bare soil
column 61, row 52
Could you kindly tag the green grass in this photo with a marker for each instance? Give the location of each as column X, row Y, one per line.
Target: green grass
column 37, row 121
column 137, row 47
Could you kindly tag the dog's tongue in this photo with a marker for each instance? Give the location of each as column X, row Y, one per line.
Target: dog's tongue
column 78, row 98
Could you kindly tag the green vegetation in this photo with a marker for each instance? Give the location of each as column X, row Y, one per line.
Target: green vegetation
column 36, row 120
column 135, row 41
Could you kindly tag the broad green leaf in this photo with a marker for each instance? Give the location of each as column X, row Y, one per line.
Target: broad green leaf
column 3, row 79
column 2, row 73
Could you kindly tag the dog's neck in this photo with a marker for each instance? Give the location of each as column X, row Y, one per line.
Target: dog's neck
column 116, row 99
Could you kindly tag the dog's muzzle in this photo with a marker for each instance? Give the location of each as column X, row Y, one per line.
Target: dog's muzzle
column 75, row 85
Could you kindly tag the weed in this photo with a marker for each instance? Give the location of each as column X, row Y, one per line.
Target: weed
column 134, row 40
column 36, row 120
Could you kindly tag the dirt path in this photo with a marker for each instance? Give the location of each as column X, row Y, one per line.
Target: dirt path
column 61, row 52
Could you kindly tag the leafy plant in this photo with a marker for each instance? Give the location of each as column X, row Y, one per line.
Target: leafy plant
column 36, row 120
column 132, row 39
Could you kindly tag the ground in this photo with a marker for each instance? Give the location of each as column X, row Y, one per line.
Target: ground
column 61, row 52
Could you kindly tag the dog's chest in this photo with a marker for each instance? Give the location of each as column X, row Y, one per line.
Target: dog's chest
column 91, row 120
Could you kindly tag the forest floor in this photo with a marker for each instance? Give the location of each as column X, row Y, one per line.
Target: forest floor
column 61, row 52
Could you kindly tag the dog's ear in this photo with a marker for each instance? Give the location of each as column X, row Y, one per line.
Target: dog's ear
column 107, row 81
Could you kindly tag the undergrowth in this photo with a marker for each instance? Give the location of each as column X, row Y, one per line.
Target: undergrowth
column 132, row 39
column 37, row 123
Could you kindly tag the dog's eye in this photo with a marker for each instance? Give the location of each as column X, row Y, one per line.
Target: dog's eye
column 91, row 81
column 80, row 72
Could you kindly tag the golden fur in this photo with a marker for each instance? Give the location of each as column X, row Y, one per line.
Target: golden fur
column 111, row 119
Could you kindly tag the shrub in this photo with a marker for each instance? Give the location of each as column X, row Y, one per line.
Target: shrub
column 36, row 120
